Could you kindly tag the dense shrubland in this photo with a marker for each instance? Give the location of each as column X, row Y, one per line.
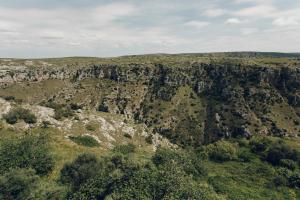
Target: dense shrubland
column 259, row 168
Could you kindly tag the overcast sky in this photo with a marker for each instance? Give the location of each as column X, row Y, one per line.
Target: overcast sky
column 56, row 28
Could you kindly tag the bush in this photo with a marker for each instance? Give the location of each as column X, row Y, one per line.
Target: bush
column 149, row 139
column 20, row 113
column 103, row 107
column 17, row 183
column 75, row 106
column 27, row 152
column 127, row 135
column 259, row 144
column 85, row 140
column 222, row 151
column 45, row 124
column 79, row 171
column 281, row 151
column 118, row 177
column 188, row 161
column 245, row 156
column 9, row 98
column 63, row 112
column 289, row 164
column 294, row 180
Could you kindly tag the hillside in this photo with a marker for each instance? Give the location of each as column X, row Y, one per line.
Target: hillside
column 184, row 104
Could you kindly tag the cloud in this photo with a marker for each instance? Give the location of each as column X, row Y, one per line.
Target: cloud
column 214, row 12
column 7, row 26
column 197, row 24
column 111, row 27
column 286, row 21
column 233, row 21
column 253, row 1
column 257, row 11
column 249, row 31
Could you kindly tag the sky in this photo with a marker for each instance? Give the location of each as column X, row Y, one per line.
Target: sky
column 105, row 28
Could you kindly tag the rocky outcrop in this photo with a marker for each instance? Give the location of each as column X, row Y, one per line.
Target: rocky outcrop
column 234, row 99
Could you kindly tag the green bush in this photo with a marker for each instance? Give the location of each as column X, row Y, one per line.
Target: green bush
column 279, row 151
column 259, row 144
column 63, row 112
column 188, row 161
column 27, row 152
column 245, row 156
column 289, row 164
column 17, row 183
column 85, row 140
column 119, row 177
column 294, row 180
column 222, row 151
column 16, row 114
column 79, row 171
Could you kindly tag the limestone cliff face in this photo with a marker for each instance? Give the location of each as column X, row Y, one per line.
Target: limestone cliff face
column 192, row 103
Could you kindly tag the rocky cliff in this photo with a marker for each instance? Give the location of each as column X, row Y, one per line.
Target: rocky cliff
column 190, row 102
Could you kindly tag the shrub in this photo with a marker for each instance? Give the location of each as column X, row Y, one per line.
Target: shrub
column 245, row 156
column 20, row 113
column 222, row 151
column 45, row 124
column 79, row 171
column 281, row 151
column 85, row 140
column 188, row 161
column 16, row 184
column 75, row 106
column 9, row 98
column 259, row 144
column 27, row 152
column 294, row 180
column 127, row 135
column 149, row 139
column 103, row 107
column 63, row 112
column 289, row 164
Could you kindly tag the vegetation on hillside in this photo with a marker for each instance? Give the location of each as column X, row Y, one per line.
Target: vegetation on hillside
column 228, row 169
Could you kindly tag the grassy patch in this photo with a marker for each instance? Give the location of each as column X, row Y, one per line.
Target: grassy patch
column 85, row 140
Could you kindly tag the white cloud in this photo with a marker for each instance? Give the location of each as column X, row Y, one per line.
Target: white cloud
column 233, row 21
column 286, row 21
column 7, row 26
column 197, row 24
column 254, row 1
column 257, row 11
column 249, row 31
column 132, row 27
column 214, row 12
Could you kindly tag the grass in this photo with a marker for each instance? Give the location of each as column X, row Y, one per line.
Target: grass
column 85, row 140
column 241, row 181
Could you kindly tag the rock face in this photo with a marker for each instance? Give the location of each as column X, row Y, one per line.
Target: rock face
column 190, row 104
